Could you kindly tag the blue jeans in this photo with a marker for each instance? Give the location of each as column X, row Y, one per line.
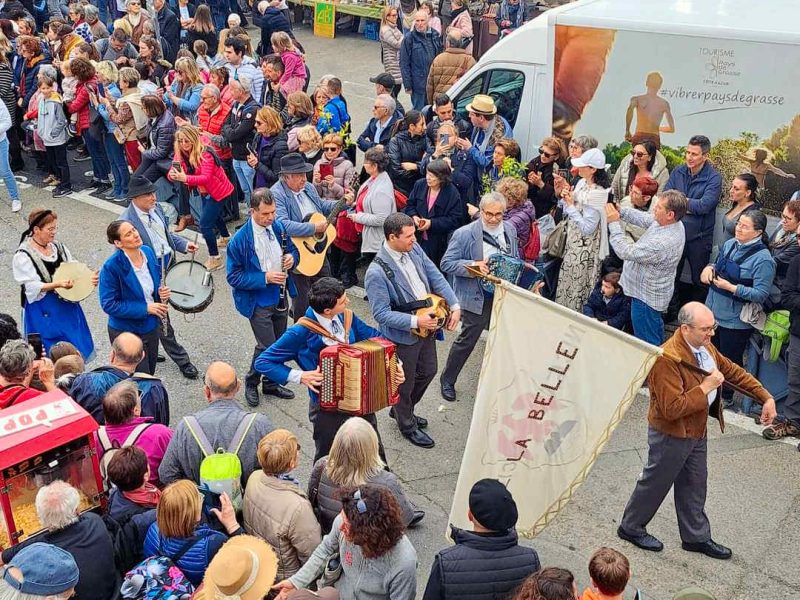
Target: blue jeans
column 244, row 173
column 5, row 171
column 211, row 220
column 419, row 98
column 119, row 164
column 648, row 325
column 100, row 166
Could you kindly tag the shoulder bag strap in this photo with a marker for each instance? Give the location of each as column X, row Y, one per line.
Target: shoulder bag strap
column 348, row 323
column 315, row 327
column 241, row 432
column 183, row 550
column 199, row 435
column 134, row 435
column 390, row 276
column 105, row 441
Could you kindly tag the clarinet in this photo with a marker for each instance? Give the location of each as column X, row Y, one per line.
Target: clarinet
column 283, row 304
column 165, row 318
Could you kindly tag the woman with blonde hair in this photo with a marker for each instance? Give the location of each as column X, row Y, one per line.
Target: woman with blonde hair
column 178, row 531
column 301, row 112
column 519, row 210
column 183, row 97
column 309, row 144
column 391, row 37
column 276, row 509
column 204, row 177
column 354, row 460
column 127, row 113
column 108, row 75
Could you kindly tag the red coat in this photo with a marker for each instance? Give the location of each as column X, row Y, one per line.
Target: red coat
column 213, row 124
column 80, row 104
column 209, row 178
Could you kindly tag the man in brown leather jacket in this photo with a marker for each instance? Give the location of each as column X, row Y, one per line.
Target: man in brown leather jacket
column 681, row 400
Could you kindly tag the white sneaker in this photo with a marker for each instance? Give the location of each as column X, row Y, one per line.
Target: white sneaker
column 16, row 205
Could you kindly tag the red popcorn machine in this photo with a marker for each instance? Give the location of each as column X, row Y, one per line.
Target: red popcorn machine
column 43, row 439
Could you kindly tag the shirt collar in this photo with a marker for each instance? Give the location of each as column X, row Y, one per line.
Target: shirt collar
column 142, row 214
column 324, row 321
column 394, row 254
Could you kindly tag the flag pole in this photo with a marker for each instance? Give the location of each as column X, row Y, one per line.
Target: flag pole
column 699, row 371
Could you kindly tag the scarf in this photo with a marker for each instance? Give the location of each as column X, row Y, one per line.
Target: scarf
column 148, row 495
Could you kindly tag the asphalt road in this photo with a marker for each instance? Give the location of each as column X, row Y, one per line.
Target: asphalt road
column 753, row 498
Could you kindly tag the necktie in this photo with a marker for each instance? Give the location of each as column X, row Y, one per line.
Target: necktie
column 699, row 358
column 154, row 225
column 336, row 329
column 268, row 232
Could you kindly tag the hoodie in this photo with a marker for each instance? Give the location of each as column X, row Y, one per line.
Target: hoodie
column 51, row 122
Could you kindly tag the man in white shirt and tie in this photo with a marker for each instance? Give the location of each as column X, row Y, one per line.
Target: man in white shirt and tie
column 149, row 220
column 259, row 257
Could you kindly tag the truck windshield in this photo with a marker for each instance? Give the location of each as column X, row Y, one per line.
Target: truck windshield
column 504, row 85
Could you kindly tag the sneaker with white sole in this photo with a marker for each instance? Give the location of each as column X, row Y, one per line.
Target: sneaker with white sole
column 16, row 205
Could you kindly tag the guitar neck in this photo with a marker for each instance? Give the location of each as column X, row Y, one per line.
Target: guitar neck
column 337, row 208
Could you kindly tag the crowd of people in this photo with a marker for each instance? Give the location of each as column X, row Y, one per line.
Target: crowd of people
column 180, row 115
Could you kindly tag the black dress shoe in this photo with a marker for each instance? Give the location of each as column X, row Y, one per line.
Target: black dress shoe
column 645, row 542
column 419, row 438
column 448, row 390
column 709, row 548
column 161, row 358
column 418, row 516
column 251, row 395
column 190, row 371
column 278, row 391
column 422, row 422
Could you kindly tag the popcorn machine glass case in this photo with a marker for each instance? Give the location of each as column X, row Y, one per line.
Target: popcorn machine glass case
column 43, row 439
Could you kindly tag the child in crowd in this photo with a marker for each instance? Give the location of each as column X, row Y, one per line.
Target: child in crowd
column 608, row 303
column 294, row 74
column 66, row 369
column 609, row 572
column 69, row 87
column 201, row 56
column 51, row 125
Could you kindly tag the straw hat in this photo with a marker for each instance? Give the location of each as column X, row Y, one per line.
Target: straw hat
column 482, row 105
column 243, row 569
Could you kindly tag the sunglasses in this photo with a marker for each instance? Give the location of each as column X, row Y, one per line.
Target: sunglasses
column 331, row 148
column 638, row 154
column 545, row 153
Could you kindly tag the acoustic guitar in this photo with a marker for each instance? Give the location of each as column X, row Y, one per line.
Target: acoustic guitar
column 313, row 248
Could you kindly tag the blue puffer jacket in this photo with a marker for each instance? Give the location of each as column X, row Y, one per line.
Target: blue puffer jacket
column 195, row 561
column 334, row 116
column 758, row 267
column 30, row 71
column 416, row 56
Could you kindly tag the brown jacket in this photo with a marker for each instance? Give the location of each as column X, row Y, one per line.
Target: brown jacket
column 279, row 512
column 447, row 68
column 678, row 406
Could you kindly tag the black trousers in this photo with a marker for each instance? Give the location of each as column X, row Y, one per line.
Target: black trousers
column 471, row 327
column 326, row 424
column 420, row 366
column 731, row 343
column 57, row 165
column 303, row 284
column 150, row 342
column 268, row 324
column 698, row 253
column 172, row 346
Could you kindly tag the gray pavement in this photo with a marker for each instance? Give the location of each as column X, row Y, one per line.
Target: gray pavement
column 753, row 499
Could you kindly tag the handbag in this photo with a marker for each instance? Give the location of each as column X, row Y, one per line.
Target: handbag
column 119, row 135
column 556, row 242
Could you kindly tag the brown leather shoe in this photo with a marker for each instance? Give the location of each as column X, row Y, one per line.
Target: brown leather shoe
column 184, row 222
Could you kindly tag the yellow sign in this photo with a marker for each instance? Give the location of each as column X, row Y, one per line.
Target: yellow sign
column 324, row 19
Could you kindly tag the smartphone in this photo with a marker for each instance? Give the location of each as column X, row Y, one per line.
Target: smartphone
column 325, row 170
column 101, row 91
column 210, row 500
column 35, row 340
column 251, row 149
column 563, row 173
column 176, row 164
column 445, row 139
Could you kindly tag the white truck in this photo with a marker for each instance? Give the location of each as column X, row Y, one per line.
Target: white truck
column 636, row 69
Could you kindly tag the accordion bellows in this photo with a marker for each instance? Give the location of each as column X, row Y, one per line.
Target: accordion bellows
column 358, row 379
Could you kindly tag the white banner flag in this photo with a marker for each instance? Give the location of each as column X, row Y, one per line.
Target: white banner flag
column 553, row 386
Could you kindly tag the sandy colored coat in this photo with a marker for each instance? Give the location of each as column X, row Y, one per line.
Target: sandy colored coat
column 678, row 406
column 279, row 512
column 447, row 68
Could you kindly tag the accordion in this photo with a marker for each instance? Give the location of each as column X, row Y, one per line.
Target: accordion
column 358, row 379
column 511, row 269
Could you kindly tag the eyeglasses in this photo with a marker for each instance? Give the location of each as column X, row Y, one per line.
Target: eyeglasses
column 545, row 153
column 711, row 329
column 331, row 148
column 492, row 215
column 639, row 154
column 787, row 218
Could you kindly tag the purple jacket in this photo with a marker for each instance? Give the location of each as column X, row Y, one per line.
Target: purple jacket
column 153, row 441
column 521, row 217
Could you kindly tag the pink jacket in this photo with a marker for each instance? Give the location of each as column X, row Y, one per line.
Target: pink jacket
column 294, row 72
column 209, row 178
column 153, row 441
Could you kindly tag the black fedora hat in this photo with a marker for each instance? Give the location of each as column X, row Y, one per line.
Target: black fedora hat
column 140, row 186
column 295, row 163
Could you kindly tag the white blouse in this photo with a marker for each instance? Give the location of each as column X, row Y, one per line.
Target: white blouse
column 25, row 273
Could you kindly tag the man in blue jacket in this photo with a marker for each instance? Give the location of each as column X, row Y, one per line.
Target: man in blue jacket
column 401, row 275
column 260, row 256
column 149, row 219
column 301, row 344
column 701, row 183
column 417, row 51
column 296, row 199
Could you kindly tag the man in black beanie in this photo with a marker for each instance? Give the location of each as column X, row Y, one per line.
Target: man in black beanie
column 487, row 562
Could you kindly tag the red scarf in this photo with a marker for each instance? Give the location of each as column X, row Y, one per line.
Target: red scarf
column 148, row 495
